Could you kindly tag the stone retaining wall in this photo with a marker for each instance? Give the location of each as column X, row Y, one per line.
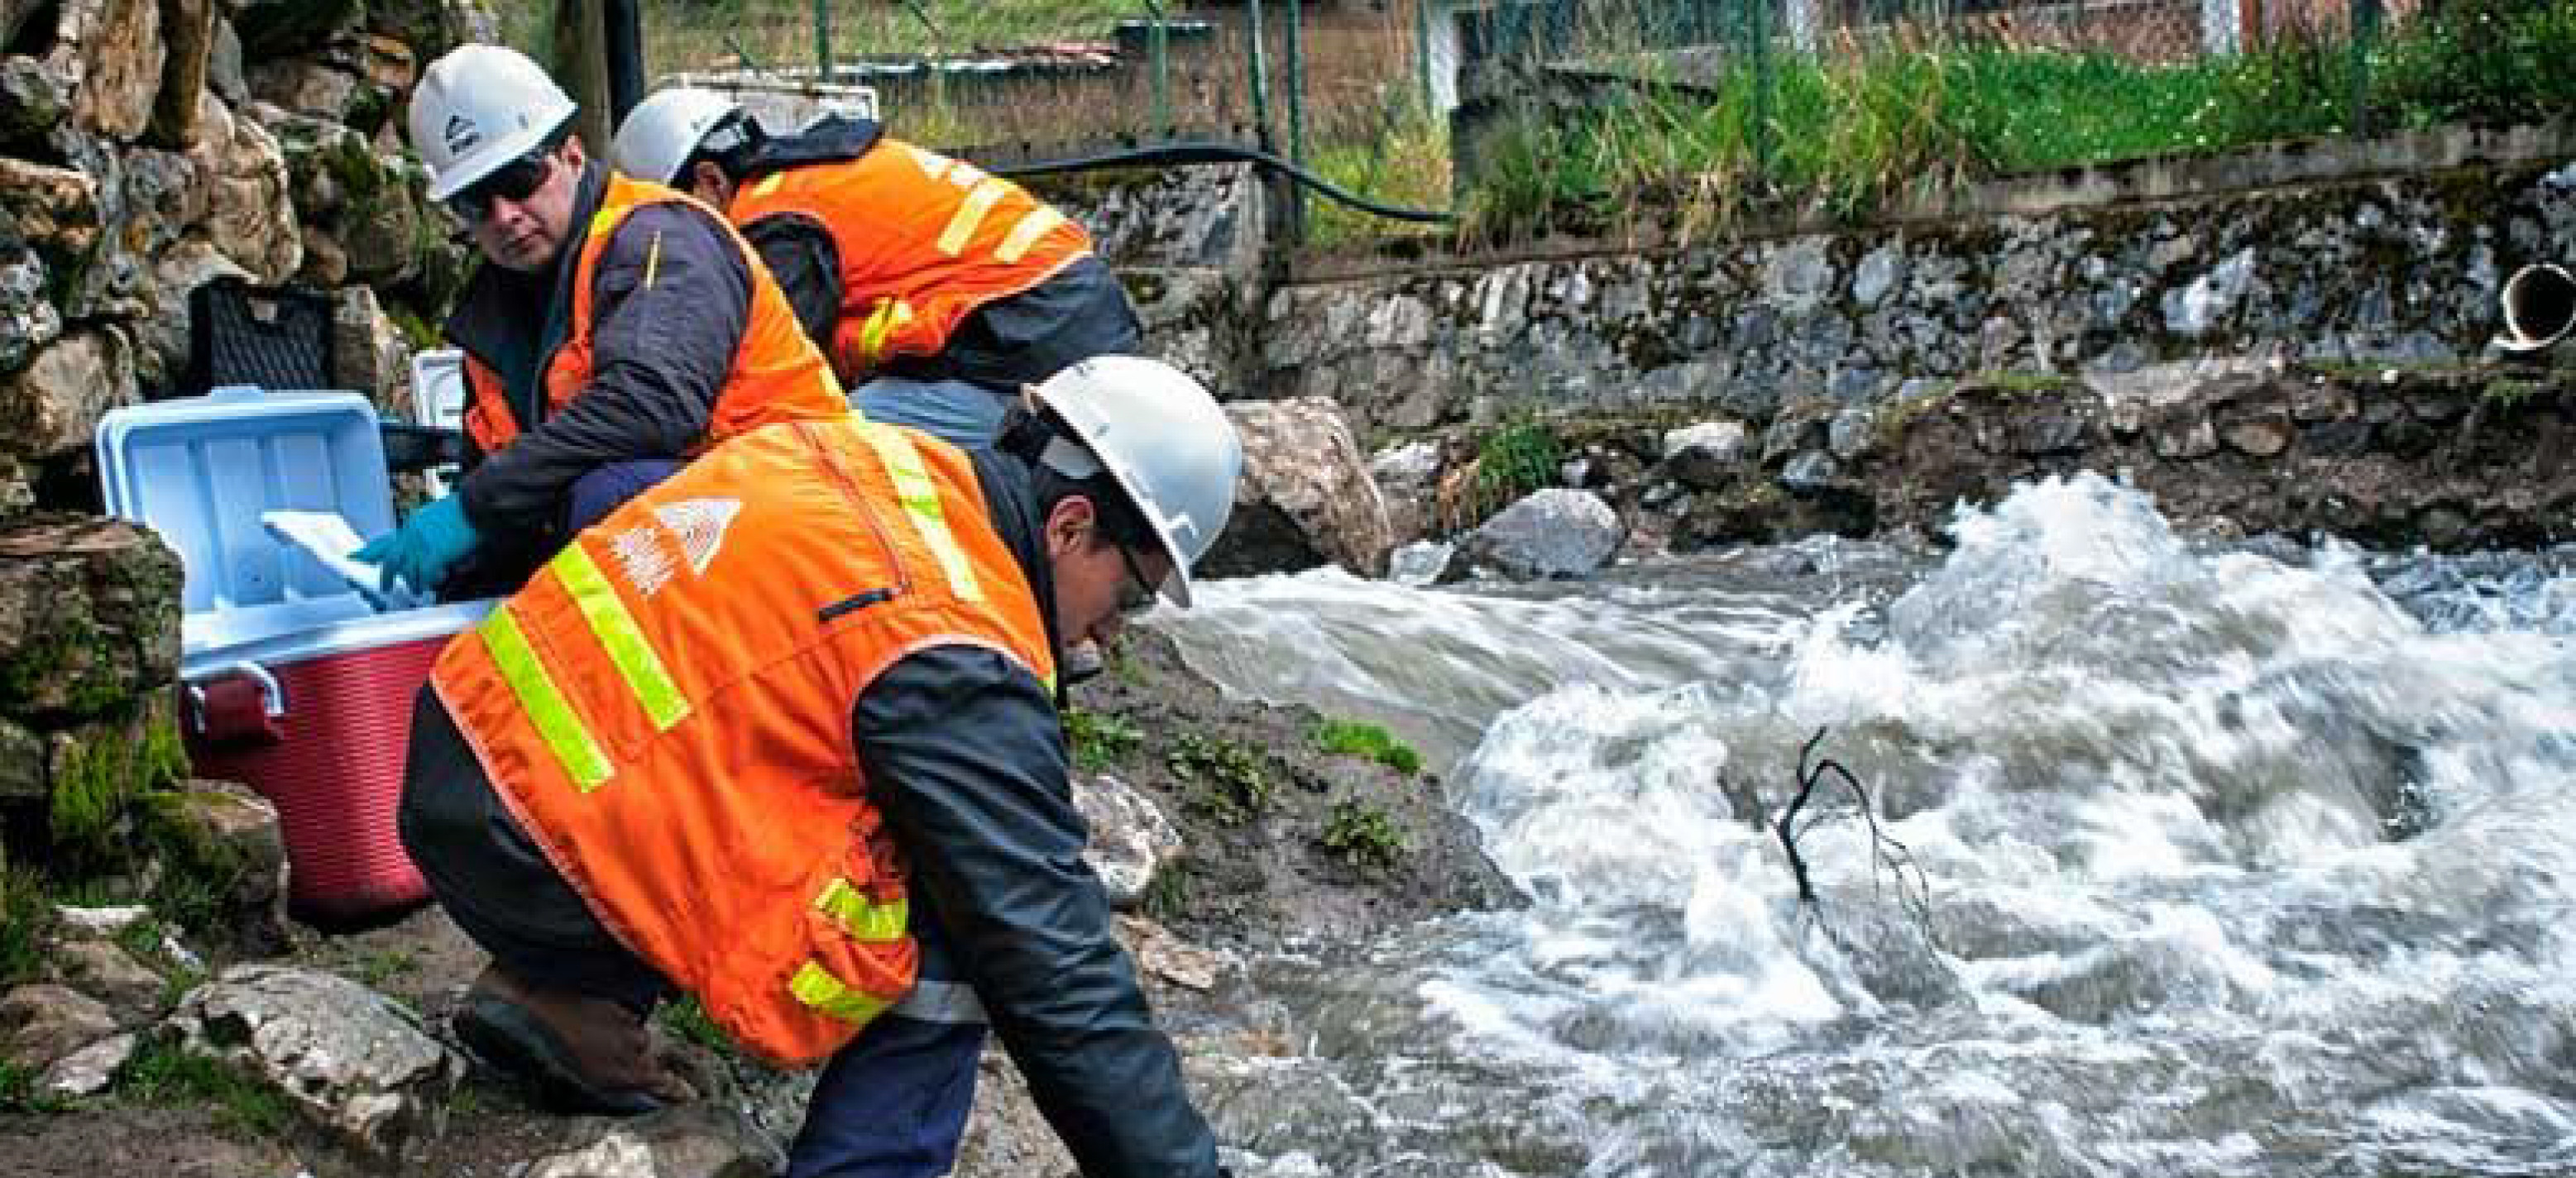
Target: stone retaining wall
column 2384, row 251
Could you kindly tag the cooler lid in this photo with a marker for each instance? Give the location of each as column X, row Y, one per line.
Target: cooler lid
column 200, row 470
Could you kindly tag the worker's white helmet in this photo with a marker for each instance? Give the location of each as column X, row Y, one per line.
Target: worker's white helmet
column 1164, row 439
column 479, row 107
column 665, row 129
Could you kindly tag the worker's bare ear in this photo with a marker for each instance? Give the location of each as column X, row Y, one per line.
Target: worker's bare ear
column 572, row 151
column 1069, row 525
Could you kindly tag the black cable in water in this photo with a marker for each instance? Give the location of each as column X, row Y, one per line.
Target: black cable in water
column 1223, row 153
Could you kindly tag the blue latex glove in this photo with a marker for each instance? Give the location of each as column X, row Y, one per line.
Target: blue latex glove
column 418, row 554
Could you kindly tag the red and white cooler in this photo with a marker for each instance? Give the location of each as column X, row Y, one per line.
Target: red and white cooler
column 296, row 683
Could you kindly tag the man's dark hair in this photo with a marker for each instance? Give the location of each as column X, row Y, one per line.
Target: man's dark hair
column 731, row 145
column 1025, row 434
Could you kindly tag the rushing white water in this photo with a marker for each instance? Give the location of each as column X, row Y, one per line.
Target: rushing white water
column 2185, row 864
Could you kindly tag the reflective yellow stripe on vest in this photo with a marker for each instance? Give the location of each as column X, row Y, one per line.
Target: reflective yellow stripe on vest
column 864, row 919
column 970, row 213
column 544, row 704
column 1034, row 224
column 920, row 498
column 816, row 987
column 627, row 647
column 890, row 316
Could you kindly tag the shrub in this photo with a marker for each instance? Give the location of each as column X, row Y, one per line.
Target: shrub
column 1363, row 834
column 1350, row 738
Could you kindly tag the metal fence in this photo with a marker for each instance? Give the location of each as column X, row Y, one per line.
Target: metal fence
column 1369, row 92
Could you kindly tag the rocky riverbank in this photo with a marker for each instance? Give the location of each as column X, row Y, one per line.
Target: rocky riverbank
column 1223, row 827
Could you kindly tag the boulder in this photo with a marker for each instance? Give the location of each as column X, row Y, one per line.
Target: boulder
column 96, row 769
column 53, row 405
column 1704, row 456
column 28, row 318
column 233, row 845
column 287, row 28
column 110, row 920
column 1130, row 836
column 44, row 1022
column 88, row 1071
column 1193, row 319
column 35, row 96
column 307, row 87
column 1163, row 956
column 1408, row 480
column 326, row 265
column 388, row 62
column 1557, row 532
column 224, row 78
column 1306, row 497
column 188, row 36
column 162, row 342
column 691, row 1141
column 350, row 1062
column 118, row 43
column 369, row 354
column 54, row 211
column 132, row 993
column 252, row 213
column 89, row 616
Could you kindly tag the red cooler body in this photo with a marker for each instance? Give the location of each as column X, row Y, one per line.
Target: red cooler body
column 296, row 682
column 318, row 722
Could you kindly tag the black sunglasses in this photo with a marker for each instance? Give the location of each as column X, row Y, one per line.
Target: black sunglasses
column 514, row 181
column 1136, row 595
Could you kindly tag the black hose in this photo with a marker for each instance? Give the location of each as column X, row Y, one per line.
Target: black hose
column 1222, row 153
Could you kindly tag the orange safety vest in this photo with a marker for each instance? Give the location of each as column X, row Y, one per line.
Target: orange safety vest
column 923, row 240
column 666, row 709
column 777, row 375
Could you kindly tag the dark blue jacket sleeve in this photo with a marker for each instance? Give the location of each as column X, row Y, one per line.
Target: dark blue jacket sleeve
column 670, row 299
column 802, row 256
column 966, row 760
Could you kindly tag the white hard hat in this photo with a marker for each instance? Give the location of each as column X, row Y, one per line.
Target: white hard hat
column 1164, row 439
column 479, row 107
column 666, row 128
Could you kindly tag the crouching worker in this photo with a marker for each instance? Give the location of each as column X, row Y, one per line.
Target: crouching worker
column 614, row 329
column 937, row 289
column 782, row 733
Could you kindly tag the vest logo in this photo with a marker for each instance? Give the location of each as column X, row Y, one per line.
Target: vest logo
column 696, row 527
column 461, row 135
column 700, row 526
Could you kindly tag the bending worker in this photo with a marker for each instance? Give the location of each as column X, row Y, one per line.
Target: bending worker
column 937, row 289
column 781, row 732
column 614, row 329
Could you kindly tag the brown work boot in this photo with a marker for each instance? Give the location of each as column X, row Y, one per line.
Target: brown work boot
column 576, row 1052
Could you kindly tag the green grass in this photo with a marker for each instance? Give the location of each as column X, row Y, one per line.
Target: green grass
column 1099, row 741
column 1518, row 458
column 685, row 1019
column 1404, row 163
column 24, row 911
column 1351, row 738
column 1847, row 135
column 163, row 1072
column 18, row 1092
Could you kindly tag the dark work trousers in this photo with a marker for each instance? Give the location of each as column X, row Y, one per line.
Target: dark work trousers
column 892, row 1104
